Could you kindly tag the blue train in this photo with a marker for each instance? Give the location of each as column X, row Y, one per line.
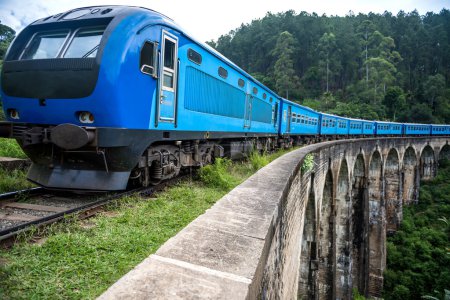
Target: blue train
column 101, row 97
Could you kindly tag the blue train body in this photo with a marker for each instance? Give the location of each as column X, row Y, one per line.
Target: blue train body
column 440, row 129
column 417, row 129
column 99, row 97
column 298, row 120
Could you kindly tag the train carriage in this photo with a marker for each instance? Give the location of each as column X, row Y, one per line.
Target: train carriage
column 355, row 127
column 333, row 125
column 388, row 128
column 368, row 128
column 416, row 129
column 298, row 120
column 440, row 129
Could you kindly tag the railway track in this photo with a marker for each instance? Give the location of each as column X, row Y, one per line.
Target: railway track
column 22, row 210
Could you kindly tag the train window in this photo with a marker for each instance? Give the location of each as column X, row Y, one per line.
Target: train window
column 147, row 62
column 194, row 56
column 45, row 45
column 271, row 99
column 85, row 43
column 169, row 50
column 276, row 113
column 169, row 54
column 255, row 91
column 264, row 96
column 241, row 82
column 223, row 73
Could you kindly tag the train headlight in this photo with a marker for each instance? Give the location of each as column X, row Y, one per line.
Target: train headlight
column 86, row 117
column 13, row 114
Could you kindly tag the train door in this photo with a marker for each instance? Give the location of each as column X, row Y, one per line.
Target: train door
column 168, row 78
column 248, row 108
column 288, row 122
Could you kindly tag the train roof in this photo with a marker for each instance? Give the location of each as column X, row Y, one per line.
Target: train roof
column 416, row 124
column 299, row 105
column 333, row 116
column 95, row 12
column 112, row 11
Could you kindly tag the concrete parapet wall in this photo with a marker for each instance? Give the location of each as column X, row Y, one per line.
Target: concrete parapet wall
column 9, row 163
column 288, row 234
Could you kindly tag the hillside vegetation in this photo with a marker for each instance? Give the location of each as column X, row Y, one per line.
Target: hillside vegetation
column 418, row 255
column 373, row 66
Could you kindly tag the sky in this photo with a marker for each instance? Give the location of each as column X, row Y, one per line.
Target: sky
column 208, row 19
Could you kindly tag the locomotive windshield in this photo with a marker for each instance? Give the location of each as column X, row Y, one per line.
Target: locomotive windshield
column 83, row 43
column 45, row 45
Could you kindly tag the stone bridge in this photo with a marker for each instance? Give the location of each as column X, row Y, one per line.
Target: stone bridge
column 295, row 233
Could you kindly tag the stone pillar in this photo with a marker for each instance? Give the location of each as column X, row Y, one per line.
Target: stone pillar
column 342, row 281
column 358, row 225
column 307, row 286
column 326, row 225
column 392, row 192
column 377, row 227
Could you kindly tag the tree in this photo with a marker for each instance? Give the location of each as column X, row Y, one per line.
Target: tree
column 285, row 78
column 328, row 54
column 6, row 36
column 395, row 101
column 365, row 30
column 420, row 113
column 382, row 74
column 434, row 89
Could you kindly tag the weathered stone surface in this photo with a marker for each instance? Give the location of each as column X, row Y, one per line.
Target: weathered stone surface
column 9, row 163
column 216, row 249
column 160, row 278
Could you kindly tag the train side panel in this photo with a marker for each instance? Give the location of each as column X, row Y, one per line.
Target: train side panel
column 302, row 120
column 416, row 129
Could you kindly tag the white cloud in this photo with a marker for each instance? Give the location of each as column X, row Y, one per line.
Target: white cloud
column 206, row 19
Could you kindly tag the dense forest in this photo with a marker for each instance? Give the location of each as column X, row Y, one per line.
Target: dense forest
column 374, row 66
column 418, row 255
column 7, row 34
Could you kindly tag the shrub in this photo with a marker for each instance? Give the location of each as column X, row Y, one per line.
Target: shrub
column 10, row 148
column 258, row 161
column 308, row 163
column 217, row 174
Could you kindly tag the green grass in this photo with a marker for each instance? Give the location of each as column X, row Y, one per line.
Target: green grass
column 81, row 259
column 10, row 148
column 13, row 180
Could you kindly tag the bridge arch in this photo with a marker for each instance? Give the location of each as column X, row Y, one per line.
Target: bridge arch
column 410, row 176
column 359, row 198
column 445, row 152
column 326, row 247
column 377, row 231
column 392, row 197
column 343, row 221
column 308, row 258
column 427, row 163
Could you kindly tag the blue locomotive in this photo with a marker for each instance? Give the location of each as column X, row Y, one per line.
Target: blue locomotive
column 102, row 96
